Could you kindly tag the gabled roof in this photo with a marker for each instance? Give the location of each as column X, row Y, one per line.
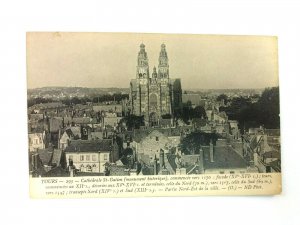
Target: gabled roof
column 74, row 132
column 90, row 145
column 57, row 172
column 79, row 120
column 55, row 123
column 56, row 157
column 45, row 155
column 224, row 158
column 36, row 130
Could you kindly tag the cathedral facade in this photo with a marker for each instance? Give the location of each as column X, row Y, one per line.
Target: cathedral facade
column 157, row 95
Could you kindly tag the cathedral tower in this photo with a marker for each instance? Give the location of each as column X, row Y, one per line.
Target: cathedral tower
column 156, row 96
column 142, row 64
column 163, row 63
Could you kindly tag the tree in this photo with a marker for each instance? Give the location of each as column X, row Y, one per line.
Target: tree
column 192, row 143
column 222, row 97
column 199, row 112
column 133, row 121
column 269, row 108
column 265, row 112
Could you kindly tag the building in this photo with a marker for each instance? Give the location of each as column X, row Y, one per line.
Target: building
column 262, row 148
column 150, row 145
column 91, row 156
column 193, row 99
column 155, row 96
column 47, row 162
column 111, row 119
column 37, row 139
column 71, row 133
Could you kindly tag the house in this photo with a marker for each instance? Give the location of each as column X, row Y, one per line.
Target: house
column 111, row 119
column 71, row 133
column 81, row 121
column 47, row 107
column 116, row 108
column 234, row 129
column 37, row 139
column 150, row 145
column 47, row 162
column 92, row 155
column 210, row 160
column 262, row 148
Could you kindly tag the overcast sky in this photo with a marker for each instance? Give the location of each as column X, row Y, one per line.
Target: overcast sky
column 109, row 59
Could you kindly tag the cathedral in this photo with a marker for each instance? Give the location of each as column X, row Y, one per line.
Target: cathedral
column 157, row 95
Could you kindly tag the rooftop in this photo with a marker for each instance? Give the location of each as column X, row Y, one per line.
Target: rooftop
column 90, row 145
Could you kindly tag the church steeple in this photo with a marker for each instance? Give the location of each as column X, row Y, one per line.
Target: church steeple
column 163, row 63
column 142, row 63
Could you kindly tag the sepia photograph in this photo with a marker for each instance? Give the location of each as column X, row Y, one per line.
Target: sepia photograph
column 136, row 105
column 170, row 112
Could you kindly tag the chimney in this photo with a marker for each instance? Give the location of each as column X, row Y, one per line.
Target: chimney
column 161, row 159
column 155, row 165
column 211, row 151
column 201, row 161
column 71, row 168
column 58, row 139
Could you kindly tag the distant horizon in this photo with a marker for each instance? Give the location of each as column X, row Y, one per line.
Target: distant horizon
column 128, row 88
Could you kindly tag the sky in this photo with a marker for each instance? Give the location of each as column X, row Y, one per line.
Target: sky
column 110, row 59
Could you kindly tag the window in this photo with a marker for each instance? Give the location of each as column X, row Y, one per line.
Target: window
column 87, row 158
column 93, row 157
column 157, row 139
column 88, row 168
column 105, row 157
column 231, row 172
column 82, row 158
column 82, row 168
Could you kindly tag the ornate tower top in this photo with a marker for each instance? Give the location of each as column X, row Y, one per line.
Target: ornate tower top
column 163, row 63
column 142, row 56
column 142, row 63
column 163, row 53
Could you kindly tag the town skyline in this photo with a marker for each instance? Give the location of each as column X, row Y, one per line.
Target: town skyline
column 108, row 60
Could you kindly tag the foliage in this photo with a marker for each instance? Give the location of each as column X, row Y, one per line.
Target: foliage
column 222, row 97
column 133, row 122
column 106, row 98
column 83, row 100
column 265, row 112
column 192, row 142
column 188, row 112
column 34, row 101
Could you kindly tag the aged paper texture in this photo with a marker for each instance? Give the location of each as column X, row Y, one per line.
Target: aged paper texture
column 136, row 115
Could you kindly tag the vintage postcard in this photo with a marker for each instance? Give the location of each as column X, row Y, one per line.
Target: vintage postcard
column 133, row 114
